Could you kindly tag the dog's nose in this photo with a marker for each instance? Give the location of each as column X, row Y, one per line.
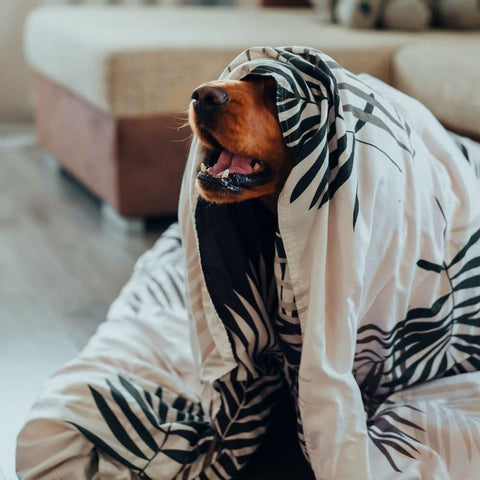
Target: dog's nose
column 207, row 97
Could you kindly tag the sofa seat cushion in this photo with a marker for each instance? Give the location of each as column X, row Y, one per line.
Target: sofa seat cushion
column 446, row 79
column 131, row 61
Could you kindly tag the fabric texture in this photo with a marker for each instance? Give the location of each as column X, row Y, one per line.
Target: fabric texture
column 361, row 296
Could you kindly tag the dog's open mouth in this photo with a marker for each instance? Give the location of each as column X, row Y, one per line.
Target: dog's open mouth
column 228, row 171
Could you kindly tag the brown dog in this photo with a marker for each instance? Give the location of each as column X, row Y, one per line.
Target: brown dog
column 236, row 120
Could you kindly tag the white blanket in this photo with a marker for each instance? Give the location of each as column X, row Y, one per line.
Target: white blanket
column 363, row 296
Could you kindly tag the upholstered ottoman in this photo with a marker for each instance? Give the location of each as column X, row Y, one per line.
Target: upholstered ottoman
column 112, row 83
column 445, row 77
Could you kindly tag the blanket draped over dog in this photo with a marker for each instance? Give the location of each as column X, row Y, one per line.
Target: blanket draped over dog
column 362, row 295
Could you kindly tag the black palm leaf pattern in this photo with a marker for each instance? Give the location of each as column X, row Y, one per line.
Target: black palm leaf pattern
column 177, row 428
column 287, row 325
column 152, row 422
column 388, row 432
column 242, row 421
column 438, row 340
column 245, row 301
column 160, row 286
column 314, row 123
column 305, row 129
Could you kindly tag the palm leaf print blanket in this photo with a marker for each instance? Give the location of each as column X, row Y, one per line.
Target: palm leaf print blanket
column 360, row 298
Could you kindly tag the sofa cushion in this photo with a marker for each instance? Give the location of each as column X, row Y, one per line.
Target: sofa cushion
column 131, row 61
column 446, row 79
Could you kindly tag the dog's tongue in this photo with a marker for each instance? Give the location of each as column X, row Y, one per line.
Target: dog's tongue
column 234, row 163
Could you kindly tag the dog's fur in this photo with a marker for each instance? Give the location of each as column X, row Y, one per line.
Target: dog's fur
column 239, row 118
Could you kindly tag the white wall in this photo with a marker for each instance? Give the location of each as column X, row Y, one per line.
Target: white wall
column 15, row 93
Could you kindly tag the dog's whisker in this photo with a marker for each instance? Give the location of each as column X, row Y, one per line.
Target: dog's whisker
column 182, row 140
column 181, row 121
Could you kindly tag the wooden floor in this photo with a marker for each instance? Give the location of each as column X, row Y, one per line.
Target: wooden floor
column 61, row 266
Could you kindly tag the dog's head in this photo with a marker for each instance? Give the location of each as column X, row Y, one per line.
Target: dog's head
column 236, row 120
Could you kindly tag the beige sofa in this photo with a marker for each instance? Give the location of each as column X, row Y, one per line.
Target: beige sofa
column 112, row 84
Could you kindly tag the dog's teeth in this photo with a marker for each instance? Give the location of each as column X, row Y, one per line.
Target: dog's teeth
column 225, row 173
column 203, row 167
column 257, row 167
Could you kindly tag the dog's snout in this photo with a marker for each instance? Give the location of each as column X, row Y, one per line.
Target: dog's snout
column 208, row 97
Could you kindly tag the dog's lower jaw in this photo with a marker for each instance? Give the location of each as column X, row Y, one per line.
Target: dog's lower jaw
column 215, row 192
column 270, row 200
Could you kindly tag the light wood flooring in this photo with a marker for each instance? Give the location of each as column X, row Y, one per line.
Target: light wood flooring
column 61, row 266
